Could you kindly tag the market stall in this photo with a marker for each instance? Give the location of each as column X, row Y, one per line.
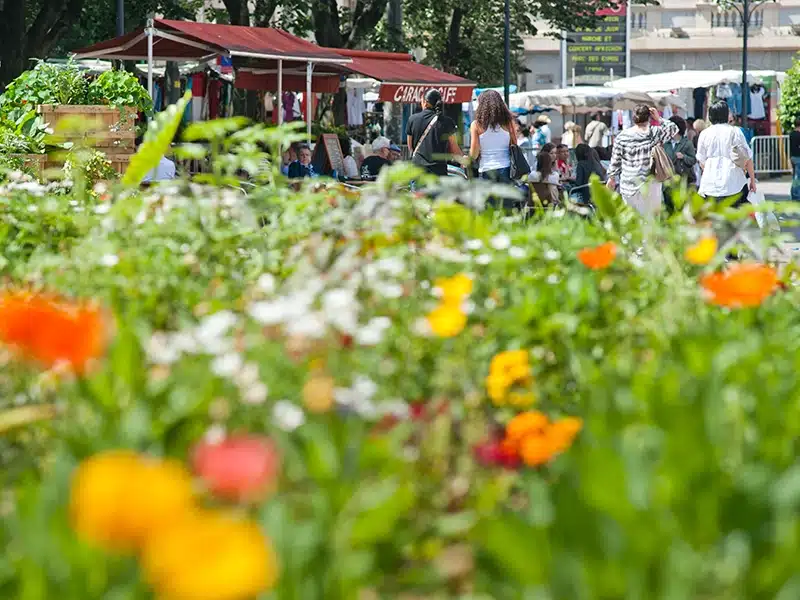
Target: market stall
column 271, row 51
column 582, row 99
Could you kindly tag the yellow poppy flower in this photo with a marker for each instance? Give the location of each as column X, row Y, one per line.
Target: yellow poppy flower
column 118, row 499
column 702, row 252
column 454, row 289
column 318, row 393
column 447, row 320
column 210, row 556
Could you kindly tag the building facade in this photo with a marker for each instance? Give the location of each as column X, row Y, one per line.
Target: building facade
column 688, row 34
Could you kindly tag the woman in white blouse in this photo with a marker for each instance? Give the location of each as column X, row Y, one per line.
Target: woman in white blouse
column 724, row 155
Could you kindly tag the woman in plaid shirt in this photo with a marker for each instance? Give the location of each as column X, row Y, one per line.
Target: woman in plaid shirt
column 631, row 160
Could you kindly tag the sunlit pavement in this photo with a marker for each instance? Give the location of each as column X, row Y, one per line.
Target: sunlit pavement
column 778, row 190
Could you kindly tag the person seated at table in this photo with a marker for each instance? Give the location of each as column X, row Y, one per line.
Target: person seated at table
column 302, row 167
column 350, row 166
column 562, row 163
column 373, row 164
column 588, row 164
column 395, row 153
column 163, row 172
column 288, row 157
column 545, row 170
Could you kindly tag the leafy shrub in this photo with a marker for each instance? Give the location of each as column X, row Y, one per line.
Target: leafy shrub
column 789, row 106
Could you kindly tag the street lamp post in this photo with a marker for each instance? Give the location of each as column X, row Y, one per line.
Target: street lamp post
column 120, row 17
column 507, row 52
column 746, row 12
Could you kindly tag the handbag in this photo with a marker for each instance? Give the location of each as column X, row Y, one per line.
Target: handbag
column 661, row 165
column 519, row 165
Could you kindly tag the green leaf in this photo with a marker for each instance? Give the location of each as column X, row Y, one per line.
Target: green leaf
column 159, row 136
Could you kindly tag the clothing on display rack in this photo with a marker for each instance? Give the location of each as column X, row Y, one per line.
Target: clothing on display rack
column 287, row 102
column 724, row 91
column 699, row 95
column 302, row 110
column 757, row 96
column 735, row 99
column 355, row 107
column 214, row 89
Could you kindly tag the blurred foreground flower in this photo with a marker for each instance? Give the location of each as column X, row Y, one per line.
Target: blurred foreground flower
column 210, row 556
column 507, row 370
column 239, row 468
column 741, row 285
column 52, row 331
column 598, row 257
column 702, row 252
column 118, row 499
column 537, row 440
column 449, row 318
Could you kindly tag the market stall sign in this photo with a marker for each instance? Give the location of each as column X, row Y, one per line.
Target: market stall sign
column 413, row 94
column 599, row 55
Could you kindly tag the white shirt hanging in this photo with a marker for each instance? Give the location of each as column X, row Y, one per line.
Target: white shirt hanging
column 757, row 104
column 355, row 106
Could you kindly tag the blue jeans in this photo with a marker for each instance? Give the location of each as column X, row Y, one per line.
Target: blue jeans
column 498, row 175
column 796, row 178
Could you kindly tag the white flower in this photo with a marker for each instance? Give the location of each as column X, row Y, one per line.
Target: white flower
column 516, row 252
column 394, row 407
column 483, row 259
column 268, row 312
column 391, row 265
column 338, row 299
column 102, row 209
column 422, row 327
column 551, row 254
column 287, row 416
column 100, row 188
column 365, row 386
column 214, row 326
column 215, row 434
column 311, row 325
column 162, row 350
column 500, row 242
column 372, row 333
column 266, row 283
column 358, row 397
column 227, row 365
column 473, row 245
column 389, row 290
column 468, row 307
column 552, row 278
column 109, row 260
column 490, row 304
column 248, row 375
column 256, row 394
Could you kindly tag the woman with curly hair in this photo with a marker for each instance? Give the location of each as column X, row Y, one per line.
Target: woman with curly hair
column 491, row 133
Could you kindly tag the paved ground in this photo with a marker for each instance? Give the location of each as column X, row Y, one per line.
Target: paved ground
column 778, row 190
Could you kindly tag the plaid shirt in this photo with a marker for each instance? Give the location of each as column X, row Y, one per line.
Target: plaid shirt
column 631, row 158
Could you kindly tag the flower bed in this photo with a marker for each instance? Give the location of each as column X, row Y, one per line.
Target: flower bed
column 312, row 395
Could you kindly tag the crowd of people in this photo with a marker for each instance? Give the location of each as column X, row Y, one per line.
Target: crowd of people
column 714, row 157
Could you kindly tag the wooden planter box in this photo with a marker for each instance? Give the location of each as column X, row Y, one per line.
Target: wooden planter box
column 106, row 128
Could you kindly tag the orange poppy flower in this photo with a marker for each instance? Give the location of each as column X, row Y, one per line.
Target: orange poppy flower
column 742, row 285
column 51, row 331
column 598, row 257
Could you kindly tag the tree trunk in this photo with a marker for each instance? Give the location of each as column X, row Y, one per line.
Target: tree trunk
column 340, row 106
column 12, row 31
column 394, row 21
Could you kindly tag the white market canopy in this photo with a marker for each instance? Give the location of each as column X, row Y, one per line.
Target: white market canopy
column 687, row 79
column 581, row 99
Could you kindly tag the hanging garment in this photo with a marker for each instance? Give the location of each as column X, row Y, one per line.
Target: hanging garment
column 187, row 114
column 287, row 101
column 314, row 101
column 699, row 95
column 355, row 107
column 757, row 103
column 214, row 91
column 724, row 91
column 735, row 101
column 159, row 97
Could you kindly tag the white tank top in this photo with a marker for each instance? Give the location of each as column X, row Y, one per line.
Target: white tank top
column 494, row 149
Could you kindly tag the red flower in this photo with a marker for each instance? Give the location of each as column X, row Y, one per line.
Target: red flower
column 598, row 257
column 239, row 468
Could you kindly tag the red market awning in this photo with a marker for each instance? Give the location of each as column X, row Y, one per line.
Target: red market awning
column 187, row 40
column 403, row 80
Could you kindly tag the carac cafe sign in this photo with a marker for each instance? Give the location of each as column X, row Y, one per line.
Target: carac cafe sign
column 412, row 94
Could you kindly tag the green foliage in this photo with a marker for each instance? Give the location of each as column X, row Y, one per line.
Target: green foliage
column 683, row 483
column 46, row 83
column 156, row 141
column 120, row 88
column 789, row 106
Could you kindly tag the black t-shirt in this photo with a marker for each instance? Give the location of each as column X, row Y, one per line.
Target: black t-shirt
column 435, row 145
column 372, row 165
column 794, row 144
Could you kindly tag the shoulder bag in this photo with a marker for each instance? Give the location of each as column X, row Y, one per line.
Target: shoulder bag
column 424, row 135
column 519, row 164
column 660, row 164
column 738, row 155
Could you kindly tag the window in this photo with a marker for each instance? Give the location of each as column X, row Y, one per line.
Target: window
column 544, row 79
